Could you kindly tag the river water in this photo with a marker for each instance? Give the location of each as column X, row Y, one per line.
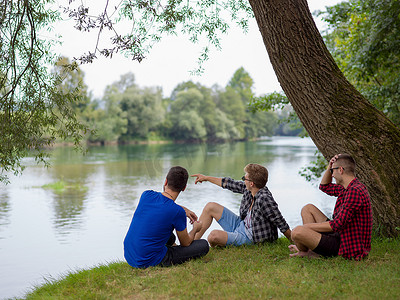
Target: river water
column 44, row 234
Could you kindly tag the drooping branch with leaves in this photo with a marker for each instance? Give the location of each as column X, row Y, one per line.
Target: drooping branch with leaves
column 33, row 109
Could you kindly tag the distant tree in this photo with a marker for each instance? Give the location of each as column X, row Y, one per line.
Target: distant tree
column 200, row 101
column 187, row 124
column 184, row 86
column 144, row 111
column 231, row 103
column 73, row 81
column 242, row 82
column 108, row 119
column 288, row 122
column 214, row 117
column 236, row 102
column 260, row 124
column 225, row 128
column 125, row 81
column 141, row 108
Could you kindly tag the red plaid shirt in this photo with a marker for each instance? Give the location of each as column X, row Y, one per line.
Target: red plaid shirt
column 352, row 218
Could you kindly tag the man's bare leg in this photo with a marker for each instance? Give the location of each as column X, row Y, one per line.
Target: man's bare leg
column 211, row 211
column 305, row 241
column 218, row 238
column 311, row 214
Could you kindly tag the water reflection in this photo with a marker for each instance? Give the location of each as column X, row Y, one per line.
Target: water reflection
column 5, row 208
column 69, row 203
column 68, row 209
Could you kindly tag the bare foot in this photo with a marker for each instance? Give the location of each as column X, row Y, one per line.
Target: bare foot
column 309, row 253
column 299, row 254
column 293, row 248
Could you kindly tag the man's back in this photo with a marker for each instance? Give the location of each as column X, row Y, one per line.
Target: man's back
column 152, row 224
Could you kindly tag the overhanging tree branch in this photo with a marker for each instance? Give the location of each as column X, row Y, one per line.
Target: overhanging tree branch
column 32, row 112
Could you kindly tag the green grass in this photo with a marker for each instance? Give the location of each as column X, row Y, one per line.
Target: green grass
column 59, row 187
column 247, row 272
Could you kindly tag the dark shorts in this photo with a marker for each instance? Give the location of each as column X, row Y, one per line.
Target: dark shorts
column 177, row 254
column 328, row 245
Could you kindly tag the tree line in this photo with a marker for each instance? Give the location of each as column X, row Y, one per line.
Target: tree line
column 193, row 112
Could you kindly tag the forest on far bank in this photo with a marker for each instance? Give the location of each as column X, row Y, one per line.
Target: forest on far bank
column 361, row 36
column 193, row 112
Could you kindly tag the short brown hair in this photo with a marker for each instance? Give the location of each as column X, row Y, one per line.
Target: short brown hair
column 177, row 178
column 347, row 162
column 257, row 174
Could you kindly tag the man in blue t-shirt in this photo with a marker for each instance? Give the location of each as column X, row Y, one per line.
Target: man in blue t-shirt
column 150, row 240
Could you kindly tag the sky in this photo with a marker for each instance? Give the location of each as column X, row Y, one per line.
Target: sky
column 171, row 61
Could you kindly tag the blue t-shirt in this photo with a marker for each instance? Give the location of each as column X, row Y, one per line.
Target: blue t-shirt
column 152, row 224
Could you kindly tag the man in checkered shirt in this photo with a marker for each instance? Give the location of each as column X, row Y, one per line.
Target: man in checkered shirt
column 348, row 234
column 259, row 216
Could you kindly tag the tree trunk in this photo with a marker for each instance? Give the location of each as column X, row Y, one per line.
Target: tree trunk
column 336, row 116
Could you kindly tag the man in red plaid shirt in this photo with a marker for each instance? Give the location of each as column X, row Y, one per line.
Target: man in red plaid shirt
column 349, row 232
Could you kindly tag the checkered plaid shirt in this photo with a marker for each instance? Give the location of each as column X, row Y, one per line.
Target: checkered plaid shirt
column 265, row 215
column 352, row 218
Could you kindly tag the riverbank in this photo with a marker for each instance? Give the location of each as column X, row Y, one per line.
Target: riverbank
column 160, row 140
column 257, row 271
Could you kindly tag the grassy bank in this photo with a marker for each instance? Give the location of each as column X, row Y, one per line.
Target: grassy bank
column 247, row 272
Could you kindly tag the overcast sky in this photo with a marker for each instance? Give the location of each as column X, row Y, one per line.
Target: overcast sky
column 171, row 60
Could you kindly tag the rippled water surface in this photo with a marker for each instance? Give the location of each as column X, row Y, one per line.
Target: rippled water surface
column 44, row 234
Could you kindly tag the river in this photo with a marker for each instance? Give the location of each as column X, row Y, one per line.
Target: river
column 45, row 234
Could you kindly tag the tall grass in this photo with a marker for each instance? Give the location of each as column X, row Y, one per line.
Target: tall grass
column 247, row 272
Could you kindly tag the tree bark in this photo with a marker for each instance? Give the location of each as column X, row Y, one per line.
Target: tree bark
column 336, row 116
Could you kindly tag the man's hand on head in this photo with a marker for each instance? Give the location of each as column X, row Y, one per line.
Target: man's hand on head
column 333, row 160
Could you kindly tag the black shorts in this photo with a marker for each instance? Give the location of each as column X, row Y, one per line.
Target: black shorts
column 177, row 254
column 329, row 244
